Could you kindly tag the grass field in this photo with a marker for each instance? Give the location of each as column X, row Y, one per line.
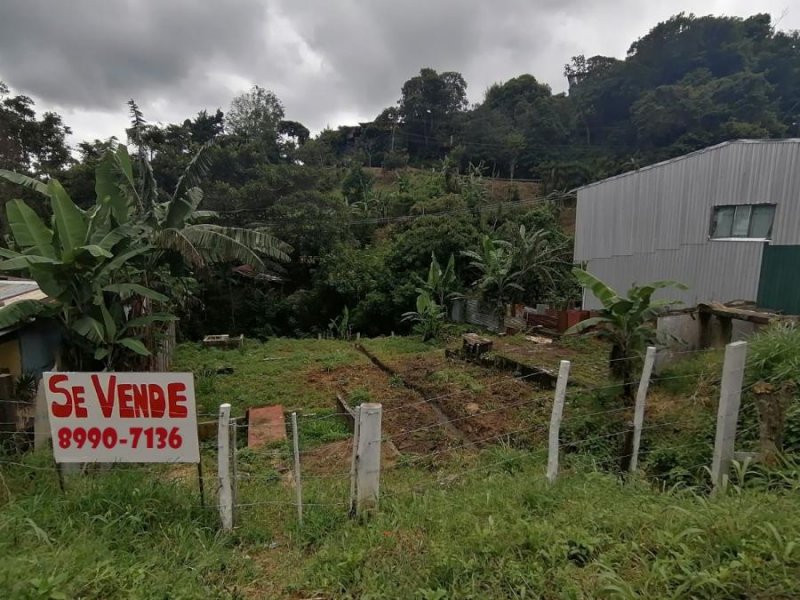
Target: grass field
column 455, row 521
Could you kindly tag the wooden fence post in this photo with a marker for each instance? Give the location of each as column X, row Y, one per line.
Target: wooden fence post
column 728, row 411
column 641, row 398
column 41, row 420
column 555, row 420
column 369, row 457
column 224, row 466
column 354, row 460
column 298, row 481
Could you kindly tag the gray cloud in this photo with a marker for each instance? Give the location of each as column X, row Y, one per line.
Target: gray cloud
column 96, row 54
column 329, row 61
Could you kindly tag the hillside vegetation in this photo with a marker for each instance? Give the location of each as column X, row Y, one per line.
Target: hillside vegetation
column 364, row 206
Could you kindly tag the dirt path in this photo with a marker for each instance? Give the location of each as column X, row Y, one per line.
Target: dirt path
column 413, row 424
column 430, row 401
column 485, row 405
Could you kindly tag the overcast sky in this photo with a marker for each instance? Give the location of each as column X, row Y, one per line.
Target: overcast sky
column 331, row 62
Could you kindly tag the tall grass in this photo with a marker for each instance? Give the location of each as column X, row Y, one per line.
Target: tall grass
column 501, row 534
column 127, row 533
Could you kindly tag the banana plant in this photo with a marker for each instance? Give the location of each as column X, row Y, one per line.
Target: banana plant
column 340, row 326
column 428, row 319
column 495, row 262
column 84, row 262
column 177, row 225
column 627, row 322
column 441, row 283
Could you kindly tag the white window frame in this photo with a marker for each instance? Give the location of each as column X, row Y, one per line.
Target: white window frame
column 714, row 210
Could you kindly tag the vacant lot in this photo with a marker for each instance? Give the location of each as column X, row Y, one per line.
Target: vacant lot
column 465, row 509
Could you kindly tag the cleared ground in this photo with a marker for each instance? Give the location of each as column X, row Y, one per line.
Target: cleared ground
column 465, row 511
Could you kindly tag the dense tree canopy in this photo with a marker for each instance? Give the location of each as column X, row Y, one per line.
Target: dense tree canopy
column 363, row 237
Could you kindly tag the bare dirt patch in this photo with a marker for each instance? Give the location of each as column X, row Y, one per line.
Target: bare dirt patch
column 410, row 422
column 481, row 403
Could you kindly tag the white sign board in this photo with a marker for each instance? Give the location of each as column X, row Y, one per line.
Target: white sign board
column 122, row 417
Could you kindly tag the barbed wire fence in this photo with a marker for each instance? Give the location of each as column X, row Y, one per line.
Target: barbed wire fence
column 357, row 488
column 293, row 475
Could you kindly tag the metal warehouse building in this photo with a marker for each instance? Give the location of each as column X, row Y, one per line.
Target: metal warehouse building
column 724, row 220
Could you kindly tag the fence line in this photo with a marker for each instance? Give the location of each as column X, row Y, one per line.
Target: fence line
column 365, row 462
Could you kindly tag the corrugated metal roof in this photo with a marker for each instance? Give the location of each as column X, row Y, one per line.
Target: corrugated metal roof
column 14, row 290
column 689, row 155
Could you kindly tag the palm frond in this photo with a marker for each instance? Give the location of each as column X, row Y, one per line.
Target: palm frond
column 255, row 242
column 147, row 181
column 181, row 210
column 225, row 244
column 174, row 240
column 24, row 180
column 137, row 120
column 148, row 190
column 194, row 171
column 19, row 312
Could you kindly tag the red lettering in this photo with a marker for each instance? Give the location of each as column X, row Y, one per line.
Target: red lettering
column 125, row 394
column 176, row 400
column 60, row 410
column 106, row 400
column 78, row 400
column 157, row 401
column 140, row 405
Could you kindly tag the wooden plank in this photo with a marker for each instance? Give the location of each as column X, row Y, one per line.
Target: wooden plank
column 348, row 413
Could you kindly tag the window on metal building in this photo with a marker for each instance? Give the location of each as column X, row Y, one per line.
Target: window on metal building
column 749, row 221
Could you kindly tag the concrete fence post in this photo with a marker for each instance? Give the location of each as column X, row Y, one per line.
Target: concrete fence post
column 728, row 411
column 298, row 481
column 354, row 460
column 223, row 467
column 641, row 399
column 369, row 457
column 555, row 420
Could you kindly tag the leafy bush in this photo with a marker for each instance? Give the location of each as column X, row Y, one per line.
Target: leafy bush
column 773, row 355
column 773, row 373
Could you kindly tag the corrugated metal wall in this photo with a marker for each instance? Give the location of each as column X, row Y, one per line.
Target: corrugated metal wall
column 654, row 223
column 477, row 314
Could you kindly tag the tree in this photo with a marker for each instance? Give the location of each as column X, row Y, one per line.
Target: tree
column 428, row 103
column 504, row 265
column 540, row 256
column 205, row 127
column 84, row 262
column 624, row 321
column 177, row 225
column 256, row 116
column 27, row 144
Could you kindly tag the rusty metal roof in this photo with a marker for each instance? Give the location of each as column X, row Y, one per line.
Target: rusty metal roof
column 14, row 290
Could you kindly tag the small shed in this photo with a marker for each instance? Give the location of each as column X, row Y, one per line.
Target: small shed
column 31, row 347
column 27, row 349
